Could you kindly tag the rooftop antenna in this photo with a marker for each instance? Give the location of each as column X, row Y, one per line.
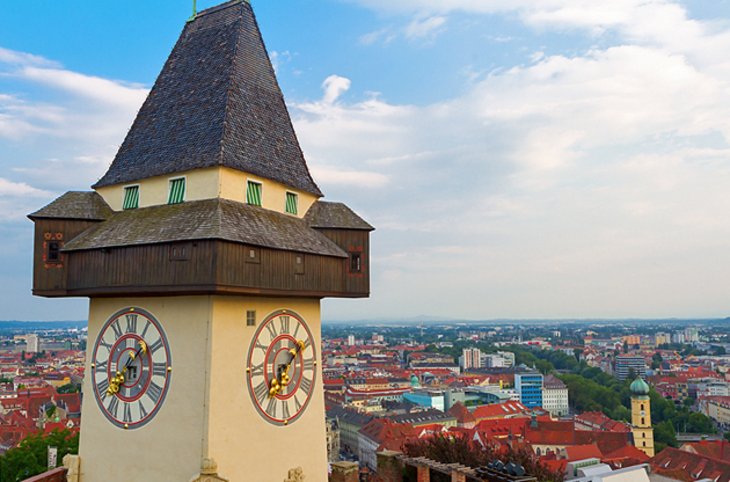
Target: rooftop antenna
column 195, row 11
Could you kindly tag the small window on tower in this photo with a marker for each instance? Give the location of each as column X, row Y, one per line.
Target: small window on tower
column 253, row 193
column 251, row 318
column 131, row 197
column 299, row 264
column 252, row 255
column 355, row 262
column 291, row 203
column 177, row 191
column 54, row 252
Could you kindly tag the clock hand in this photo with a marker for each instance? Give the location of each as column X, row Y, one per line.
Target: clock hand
column 293, row 353
column 119, row 379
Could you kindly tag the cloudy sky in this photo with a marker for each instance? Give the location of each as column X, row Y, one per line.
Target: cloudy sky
column 519, row 158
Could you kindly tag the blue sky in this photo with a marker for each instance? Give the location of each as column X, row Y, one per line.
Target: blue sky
column 520, row 159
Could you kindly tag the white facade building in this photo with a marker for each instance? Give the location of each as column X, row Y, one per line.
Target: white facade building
column 470, row 358
column 32, row 344
column 555, row 396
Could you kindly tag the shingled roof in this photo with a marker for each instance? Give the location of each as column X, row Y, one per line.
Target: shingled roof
column 331, row 215
column 84, row 205
column 209, row 219
column 215, row 103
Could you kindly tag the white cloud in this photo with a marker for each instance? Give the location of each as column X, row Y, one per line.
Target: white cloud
column 10, row 188
column 592, row 184
column 426, row 27
column 362, row 179
column 334, row 86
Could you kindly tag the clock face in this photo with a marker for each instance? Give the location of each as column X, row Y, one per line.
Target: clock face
column 131, row 368
column 280, row 369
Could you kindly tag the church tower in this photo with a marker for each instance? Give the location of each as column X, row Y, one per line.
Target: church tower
column 641, row 417
column 205, row 250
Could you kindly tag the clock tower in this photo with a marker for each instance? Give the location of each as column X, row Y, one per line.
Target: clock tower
column 205, row 250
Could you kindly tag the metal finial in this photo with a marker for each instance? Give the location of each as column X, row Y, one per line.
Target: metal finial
column 195, row 11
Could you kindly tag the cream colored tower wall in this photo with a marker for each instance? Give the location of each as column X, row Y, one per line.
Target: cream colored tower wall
column 246, row 447
column 234, row 183
column 208, row 183
column 641, row 425
column 154, row 191
column 169, row 447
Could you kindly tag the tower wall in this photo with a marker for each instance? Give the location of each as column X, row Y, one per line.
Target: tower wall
column 169, row 447
column 246, row 446
column 641, row 425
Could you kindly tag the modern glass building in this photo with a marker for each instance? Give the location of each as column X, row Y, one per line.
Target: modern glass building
column 529, row 387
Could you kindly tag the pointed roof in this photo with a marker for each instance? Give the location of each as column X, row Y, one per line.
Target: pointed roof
column 215, row 103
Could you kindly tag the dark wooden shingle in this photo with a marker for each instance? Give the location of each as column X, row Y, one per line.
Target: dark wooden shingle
column 215, row 103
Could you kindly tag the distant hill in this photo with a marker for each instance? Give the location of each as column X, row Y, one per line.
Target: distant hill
column 23, row 326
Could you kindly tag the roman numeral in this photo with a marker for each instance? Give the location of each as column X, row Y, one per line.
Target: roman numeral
column 306, row 384
column 257, row 370
column 272, row 330
column 102, row 387
column 271, row 407
column 154, row 391
column 144, row 332
column 296, row 330
column 155, row 346
column 307, row 343
column 117, row 329
column 261, row 391
column 131, row 323
column 285, row 410
column 159, row 369
column 127, row 413
column 113, row 407
column 297, row 405
column 105, row 345
column 102, row 365
column 260, row 346
column 308, row 364
column 142, row 411
column 285, row 322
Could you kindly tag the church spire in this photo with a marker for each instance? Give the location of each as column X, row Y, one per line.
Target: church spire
column 216, row 103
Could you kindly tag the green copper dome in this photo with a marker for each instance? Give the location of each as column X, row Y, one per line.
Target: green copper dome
column 639, row 387
column 415, row 383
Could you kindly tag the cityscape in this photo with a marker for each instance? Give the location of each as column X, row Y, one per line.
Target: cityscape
column 562, row 391
column 365, row 241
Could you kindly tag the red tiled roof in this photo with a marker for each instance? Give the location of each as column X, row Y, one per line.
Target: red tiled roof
column 582, row 452
column 499, row 410
column 693, row 465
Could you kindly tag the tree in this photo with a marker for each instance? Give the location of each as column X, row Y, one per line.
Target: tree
column 664, row 435
column 31, row 456
column 727, row 436
column 462, row 450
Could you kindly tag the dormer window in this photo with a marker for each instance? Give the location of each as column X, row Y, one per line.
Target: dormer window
column 253, row 193
column 131, row 197
column 177, row 191
column 292, row 201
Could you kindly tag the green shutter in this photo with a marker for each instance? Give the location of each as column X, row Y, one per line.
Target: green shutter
column 131, row 197
column 177, row 191
column 253, row 193
column 291, row 203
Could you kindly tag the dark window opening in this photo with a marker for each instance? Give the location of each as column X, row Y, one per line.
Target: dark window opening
column 180, row 252
column 54, row 252
column 251, row 318
column 355, row 262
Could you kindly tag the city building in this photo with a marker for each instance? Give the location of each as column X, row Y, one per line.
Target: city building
column 628, row 364
column 32, row 344
column 470, row 358
column 529, row 387
column 662, row 339
column 555, row 396
column 641, row 417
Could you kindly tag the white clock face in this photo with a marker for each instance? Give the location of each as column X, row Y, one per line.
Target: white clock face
column 281, row 367
column 131, row 368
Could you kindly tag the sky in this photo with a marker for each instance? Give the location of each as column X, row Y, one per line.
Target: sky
column 519, row 158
